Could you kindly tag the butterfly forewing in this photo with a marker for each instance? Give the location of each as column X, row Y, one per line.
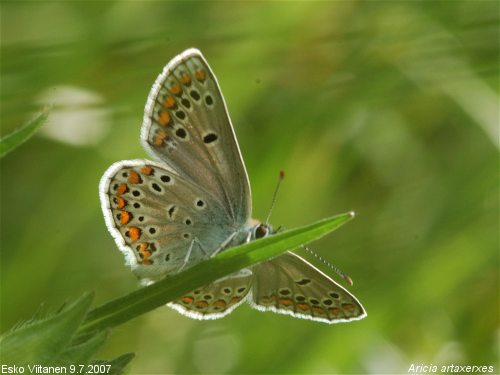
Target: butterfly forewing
column 186, row 125
column 155, row 214
column 290, row 285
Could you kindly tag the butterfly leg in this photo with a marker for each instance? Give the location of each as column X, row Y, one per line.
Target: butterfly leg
column 225, row 243
column 208, row 254
column 222, row 246
column 186, row 258
column 190, row 250
column 241, row 273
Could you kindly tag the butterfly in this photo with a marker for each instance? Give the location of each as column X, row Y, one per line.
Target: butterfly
column 194, row 201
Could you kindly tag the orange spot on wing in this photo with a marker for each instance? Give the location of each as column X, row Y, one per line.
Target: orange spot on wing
column 234, row 300
column 134, row 233
column 120, row 202
column 201, row 304
column 349, row 307
column 125, row 217
column 122, row 189
column 187, row 299
column 147, row 170
column 201, row 75
column 134, row 178
column 160, row 138
column 303, row 306
column 186, row 79
column 169, row 102
column 145, row 253
column 158, row 141
column 318, row 310
column 334, row 311
column 285, row 301
column 176, row 89
column 164, row 118
column 220, row 304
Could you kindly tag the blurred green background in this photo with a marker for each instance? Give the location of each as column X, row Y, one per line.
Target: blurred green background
column 389, row 109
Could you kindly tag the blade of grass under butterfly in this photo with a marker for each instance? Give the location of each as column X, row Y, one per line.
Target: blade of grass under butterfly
column 232, row 260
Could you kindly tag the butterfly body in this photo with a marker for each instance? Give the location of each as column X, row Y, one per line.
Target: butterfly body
column 194, row 201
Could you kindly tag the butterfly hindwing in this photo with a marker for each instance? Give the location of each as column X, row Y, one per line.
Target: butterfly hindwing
column 217, row 299
column 155, row 215
column 290, row 285
column 186, row 126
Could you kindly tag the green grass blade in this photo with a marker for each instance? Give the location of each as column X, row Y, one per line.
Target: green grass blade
column 82, row 353
column 42, row 341
column 21, row 135
column 145, row 299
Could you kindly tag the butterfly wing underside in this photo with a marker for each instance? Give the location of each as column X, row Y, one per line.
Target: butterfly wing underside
column 290, row 285
column 216, row 299
column 187, row 126
column 179, row 210
column 155, row 215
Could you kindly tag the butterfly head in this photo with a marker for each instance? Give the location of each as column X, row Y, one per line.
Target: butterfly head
column 261, row 230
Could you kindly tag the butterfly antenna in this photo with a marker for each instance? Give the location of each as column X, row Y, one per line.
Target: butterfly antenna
column 280, row 179
column 329, row 265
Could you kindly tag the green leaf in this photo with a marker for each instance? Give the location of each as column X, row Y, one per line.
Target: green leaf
column 21, row 135
column 82, row 353
column 169, row 289
column 41, row 342
column 50, row 342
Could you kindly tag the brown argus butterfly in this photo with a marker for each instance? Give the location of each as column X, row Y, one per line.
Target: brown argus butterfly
column 194, row 201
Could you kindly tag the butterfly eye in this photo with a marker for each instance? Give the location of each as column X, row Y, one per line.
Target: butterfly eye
column 261, row 231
